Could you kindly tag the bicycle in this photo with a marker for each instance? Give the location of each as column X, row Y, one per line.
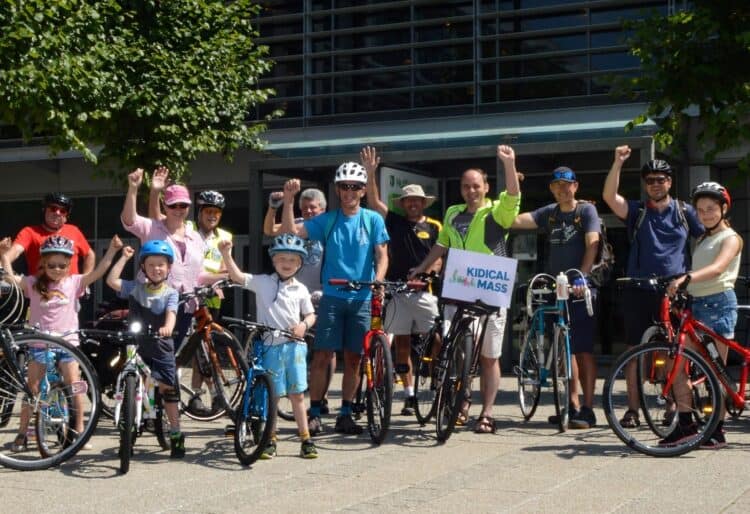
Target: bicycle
column 375, row 390
column 138, row 404
column 216, row 354
column 541, row 356
column 256, row 416
column 659, row 363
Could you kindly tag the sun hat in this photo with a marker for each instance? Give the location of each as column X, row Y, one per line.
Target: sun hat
column 416, row 191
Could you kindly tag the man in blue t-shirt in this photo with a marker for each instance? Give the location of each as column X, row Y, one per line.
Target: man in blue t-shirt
column 572, row 229
column 659, row 229
column 355, row 248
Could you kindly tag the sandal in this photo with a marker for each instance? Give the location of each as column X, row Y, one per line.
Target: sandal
column 630, row 419
column 485, row 425
column 463, row 415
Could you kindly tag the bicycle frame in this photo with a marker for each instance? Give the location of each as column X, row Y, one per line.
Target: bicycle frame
column 538, row 323
column 134, row 365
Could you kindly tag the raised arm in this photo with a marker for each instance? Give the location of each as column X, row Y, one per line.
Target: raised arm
column 524, row 221
column 291, row 188
column 113, row 277
column 270, row 227
column 158, row 183
column 371, row 160
column 617, row 203
column 508, row 157
column 129, row 209
column 235, row 273
column 89, row 278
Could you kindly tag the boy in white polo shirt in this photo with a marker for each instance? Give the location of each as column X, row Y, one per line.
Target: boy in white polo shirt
column 283, row 302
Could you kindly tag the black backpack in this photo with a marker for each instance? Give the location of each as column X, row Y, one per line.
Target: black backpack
column 604, row 263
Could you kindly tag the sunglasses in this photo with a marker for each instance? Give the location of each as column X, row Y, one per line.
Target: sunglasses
column 655, row 180
column 566, row 175
column 178, row 206
column 56, row 209
column 350, row 187
column 54, row 266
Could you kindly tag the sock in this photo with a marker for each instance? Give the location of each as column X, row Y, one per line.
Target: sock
column 273, row 438
column 409, row 390
column 304, row 435
column 174, row 434
column 686, row 418
column 719, row 427
column 346, row 408
column 315, row 408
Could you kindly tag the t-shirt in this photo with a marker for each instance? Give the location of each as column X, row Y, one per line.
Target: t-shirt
column 59, row 313
column 32, row 237
column 349, row 247
column 565, row 240
column 281, row 304
column 158, row 300
column 704, row 254
column 410, row 243
column 660, row 247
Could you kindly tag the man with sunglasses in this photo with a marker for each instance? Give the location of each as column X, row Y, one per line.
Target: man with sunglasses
column 355, row 245
column 660, row 230
column 56, row 209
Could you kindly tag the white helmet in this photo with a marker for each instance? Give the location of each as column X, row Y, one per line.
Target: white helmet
column 351, row 171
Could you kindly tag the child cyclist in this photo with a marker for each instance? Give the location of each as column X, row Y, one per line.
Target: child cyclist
column 154, row 304
column 716, row 263
column 53, row 307
column 282, row 302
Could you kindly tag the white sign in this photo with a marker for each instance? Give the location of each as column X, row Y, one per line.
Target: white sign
column 472, row 276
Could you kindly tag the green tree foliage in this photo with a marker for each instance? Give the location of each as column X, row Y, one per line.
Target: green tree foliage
column 697, row 62
column 150, row 82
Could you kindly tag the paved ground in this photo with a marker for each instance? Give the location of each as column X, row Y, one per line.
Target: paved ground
column 525, row 467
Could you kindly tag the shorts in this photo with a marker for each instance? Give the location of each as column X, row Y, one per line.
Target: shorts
column 640, row 310
column 717, row 311
column 492, row 345
column 342, row 324
column 40, row 355
column 287, row 363
column 410, row 313
column 582, row 326
column 158, row 354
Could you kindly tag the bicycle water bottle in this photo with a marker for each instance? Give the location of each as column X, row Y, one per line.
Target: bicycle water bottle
column 713, row 352
column 561, row 285
column 589, row 302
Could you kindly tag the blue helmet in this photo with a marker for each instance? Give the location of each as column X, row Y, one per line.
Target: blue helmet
column 57, row 244
column 156, row 247
column 288, row 243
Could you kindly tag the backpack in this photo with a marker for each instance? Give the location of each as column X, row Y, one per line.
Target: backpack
column 604, row 262
column 682, row 209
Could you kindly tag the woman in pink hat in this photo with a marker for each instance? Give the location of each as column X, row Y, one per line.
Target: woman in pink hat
column 187, row 271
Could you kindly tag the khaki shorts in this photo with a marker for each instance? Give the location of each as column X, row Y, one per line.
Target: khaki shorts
column 492, row 346
column 411, row 313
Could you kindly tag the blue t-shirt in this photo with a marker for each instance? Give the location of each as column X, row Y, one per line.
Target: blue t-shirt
column 661, row 243
column 157, row 301
column 566, row 239
column 349, row 249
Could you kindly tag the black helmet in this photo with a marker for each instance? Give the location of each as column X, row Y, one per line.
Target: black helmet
column 210, row 199
column 58, row 199
column 656, row 166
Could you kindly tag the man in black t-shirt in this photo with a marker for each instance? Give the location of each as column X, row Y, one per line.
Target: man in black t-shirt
column 412, row 237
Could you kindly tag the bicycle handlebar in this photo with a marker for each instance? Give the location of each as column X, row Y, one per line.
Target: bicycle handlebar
column 391, row 286
column 261, row 328
column 208, row 291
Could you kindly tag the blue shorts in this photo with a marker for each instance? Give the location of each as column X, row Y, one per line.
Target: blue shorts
column 342, row 324
column 287, row 364
column 158, row 355
column 717, row 311
column 582, row 326
column 40, row 355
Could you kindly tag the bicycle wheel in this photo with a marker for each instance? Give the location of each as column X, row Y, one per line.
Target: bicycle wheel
column 651, row 376
column 126, row 426
column 81, row 398
column 228, row 371
column 530, row 373
column 379, row 397
column 52, row 420
column 561, row 377
column 256, row 419
column 425, row 390
column 161, row 421
column 452, row 392
column 704, row 400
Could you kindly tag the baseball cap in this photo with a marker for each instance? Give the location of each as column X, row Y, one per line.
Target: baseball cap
column 176, row 194
column 563, row 173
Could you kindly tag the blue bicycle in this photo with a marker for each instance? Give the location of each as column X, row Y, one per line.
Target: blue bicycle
column 544, row 358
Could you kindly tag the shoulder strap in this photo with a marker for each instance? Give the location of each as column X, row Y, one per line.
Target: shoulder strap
column 682, row 215
column 577, row 217
column 638, row 221
column 553, row 216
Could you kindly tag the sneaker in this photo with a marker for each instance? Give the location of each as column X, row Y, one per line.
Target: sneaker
column 178, row 445
column 324, row 410
column 216, row 405
column 680, row 434
column 584, row 418
column 630, row 419
column 196, row 406
column 409, row 405
column 308, row 450
column 20, row 444
column 270, row 452
column 715, row 442
column 314, row 425
column 555, row 419
column 346, row 425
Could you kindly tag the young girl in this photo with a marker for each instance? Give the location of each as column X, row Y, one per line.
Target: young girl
column 716, row 263
column 53, row 307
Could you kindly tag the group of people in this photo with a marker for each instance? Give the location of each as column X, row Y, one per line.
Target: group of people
column 375, row 244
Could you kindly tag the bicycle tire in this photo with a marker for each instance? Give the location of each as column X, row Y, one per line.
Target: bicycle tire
column 529, row 374
column 648, row 374
column 256, row 419
column 561, row 377
column 126, row 425
column 642, row 438
column 52, row 420
column 161, row 421
column 84, row 393
column 379, row 398
column 229, row 379
column 6, row 404
column 425, row 390
column 455, row 385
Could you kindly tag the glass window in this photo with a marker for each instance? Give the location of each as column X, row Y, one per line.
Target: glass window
column 321, row 23
column 287, row 88
column 613, row 61
column 444, row 75
column 554, row 21
column 626, row 13
column 322, row 86
column 546, row 66
column 444, row 97
column 382, row 38
column 379, row 102
column 444, row 31
column 446, row 9
column 370, row 19
column 321, row 44
column 380, row 80
column 544, row 89
column 279, row 7
column 443, row 53
column 280, row 29
column 371, row 61
column 287, row 68
column 321, row 65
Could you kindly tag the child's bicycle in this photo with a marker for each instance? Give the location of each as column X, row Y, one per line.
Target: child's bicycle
column 375, row 391
column 138, row 403
column 543, row 357
column 256, row 415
